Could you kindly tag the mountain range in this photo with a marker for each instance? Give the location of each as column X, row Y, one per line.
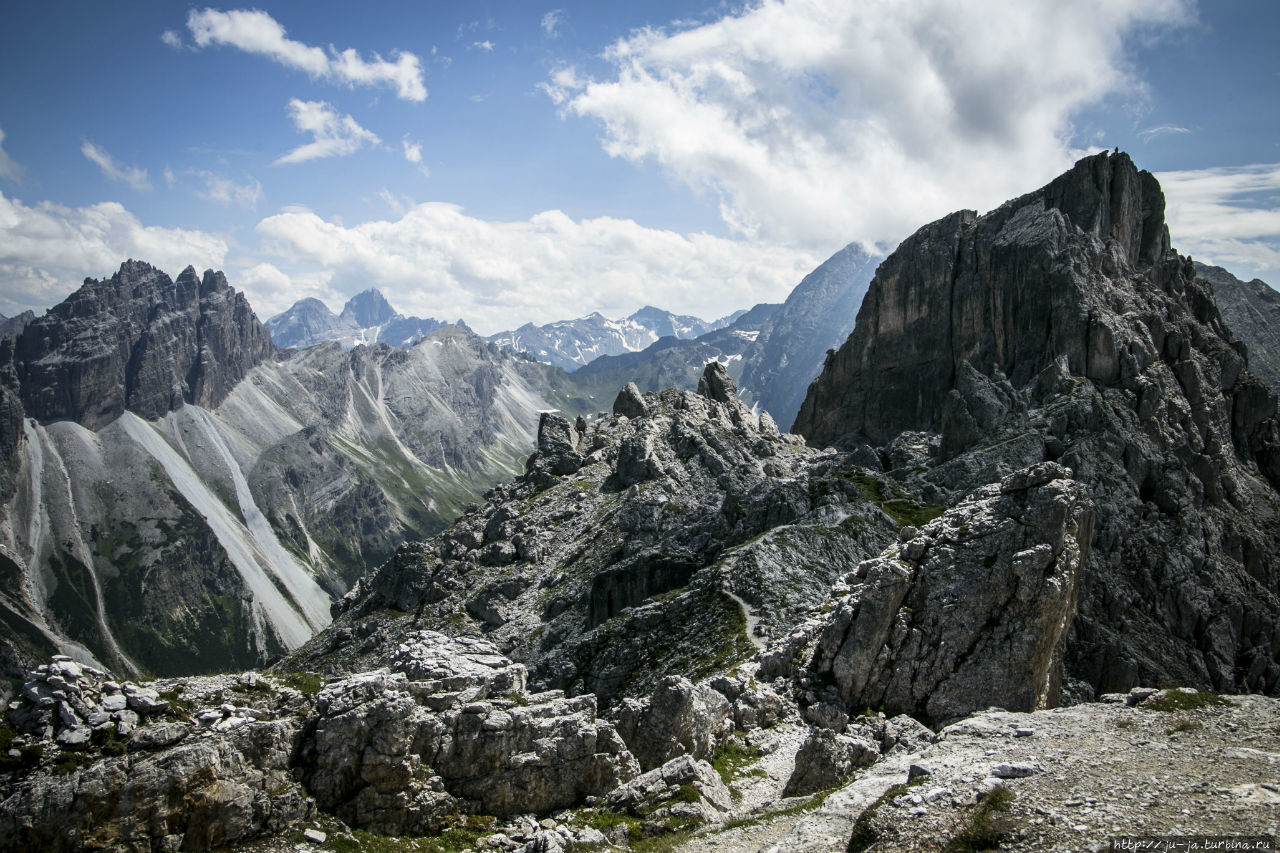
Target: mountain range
column 366, row 318
column 1039, row 472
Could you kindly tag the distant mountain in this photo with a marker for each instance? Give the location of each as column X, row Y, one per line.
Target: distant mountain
column 13, row 325
column 817, row 316
column 178, row 496
column 671, row 362
column 772, row 351
column 366, row 318
column 570, row 344
column 1252, row 311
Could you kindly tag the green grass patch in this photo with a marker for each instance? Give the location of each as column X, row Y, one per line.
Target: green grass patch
column 732, row 758
column 306, row 683
column 462, row 834
column 986, row 826
column 1177, row 700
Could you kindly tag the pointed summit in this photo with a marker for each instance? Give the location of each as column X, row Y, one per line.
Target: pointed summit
column 369, row 308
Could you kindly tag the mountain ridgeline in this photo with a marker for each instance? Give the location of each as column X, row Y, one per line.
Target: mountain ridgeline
column 1062, row 326
column 1039, row 471
column 180, row 496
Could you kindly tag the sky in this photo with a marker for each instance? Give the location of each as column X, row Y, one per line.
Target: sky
column 513, row 162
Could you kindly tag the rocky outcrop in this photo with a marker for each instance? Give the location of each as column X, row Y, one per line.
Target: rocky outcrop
column 1062, row 327
column 202, row 763
column 138, row 341
column 970, row 611
column 615, row 561
column 677, row 719
column 399, row 754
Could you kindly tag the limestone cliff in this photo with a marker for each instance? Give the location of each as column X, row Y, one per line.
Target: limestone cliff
column 1061, row 326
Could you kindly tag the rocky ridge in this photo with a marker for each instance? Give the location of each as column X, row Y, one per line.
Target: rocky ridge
column 1062, row 327
column 215, row 536
column 660, row 526
column 138, row 341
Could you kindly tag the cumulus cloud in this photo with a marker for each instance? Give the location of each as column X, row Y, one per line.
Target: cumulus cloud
column 434, row 260
column 824, row 121
column 1227, row 216
column 130, row 176
column 550, row 21
column 486, row 45
column 172, row 39
column 9, row 167
column 46, row 250
column 335, row 135
column 254, row 31
column 223, row 190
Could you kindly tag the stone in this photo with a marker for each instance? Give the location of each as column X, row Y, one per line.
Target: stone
column 315, row 836
column 678, row 718
column 630, row 402
column 660, row 790
column 158, row 735
column 1014, row 770
column 967, row 624
column 827, row 759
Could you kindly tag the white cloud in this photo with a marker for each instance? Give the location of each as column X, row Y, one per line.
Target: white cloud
column 47, row 250
column 1159, row 130
column 436, row 261
column 172, row 39
column 413, row 153
column 551, row 20
column 169, row 177
column 130, row 176
column 486, row 45
column 825, row 121
column 223, row 190
column 9, row 168
column 254, row 31
column 335, row 135
column 1227, row 216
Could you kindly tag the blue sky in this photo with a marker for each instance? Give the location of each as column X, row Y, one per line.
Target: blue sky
column 507, row 162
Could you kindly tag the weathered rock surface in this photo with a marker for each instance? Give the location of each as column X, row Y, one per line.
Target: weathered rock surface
column 970, row 612
column 677, row 719
column 1251, row 309
column 398, row 755
column 1062, row 327
column 828, row 759
column 138, row 341
column 215, row 761
column 614, row 561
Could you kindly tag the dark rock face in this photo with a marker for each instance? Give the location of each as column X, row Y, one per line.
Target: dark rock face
column 971, row 611
column 1252, row 311
column 14, row 325
column 817, row 316
column 1061, row 326
column 138, row 341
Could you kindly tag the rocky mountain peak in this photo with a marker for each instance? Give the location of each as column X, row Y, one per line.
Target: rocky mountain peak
column 369, row 308
column 1062, row 327
column 138, row 341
